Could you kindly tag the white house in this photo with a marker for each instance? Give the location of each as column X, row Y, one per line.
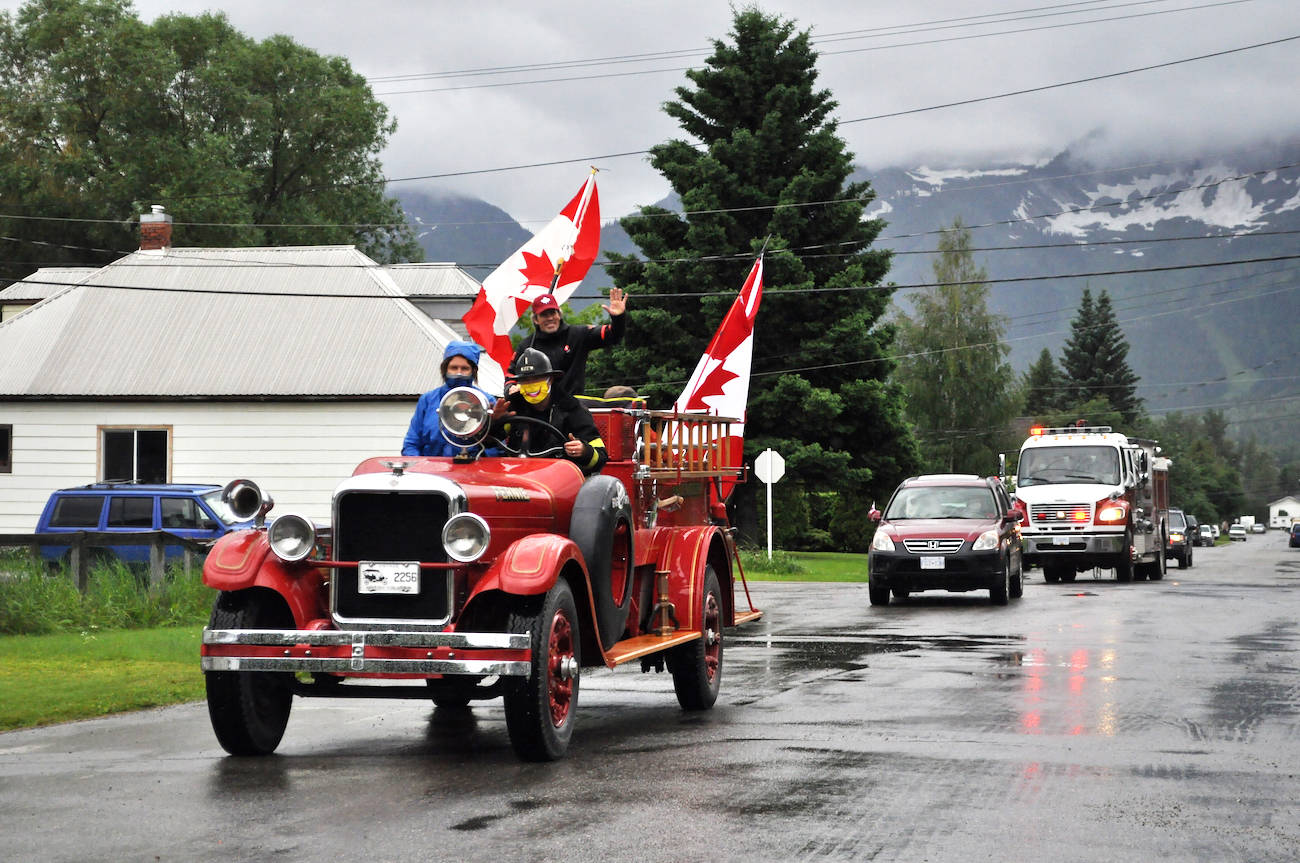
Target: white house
column 1283, row 511
column 287, row 366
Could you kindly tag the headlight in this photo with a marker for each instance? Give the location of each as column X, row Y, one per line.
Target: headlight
column 463, row 413
column 292, row 537
column 1111, row 514
column 245, row 499
column 882, row 542
column 986, row 540
column 465, row 536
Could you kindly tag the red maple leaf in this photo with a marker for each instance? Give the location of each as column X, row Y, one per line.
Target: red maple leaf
column 710, row 386
column 537, row 269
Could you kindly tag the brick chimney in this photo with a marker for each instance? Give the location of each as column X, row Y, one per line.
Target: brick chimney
column 155, row 229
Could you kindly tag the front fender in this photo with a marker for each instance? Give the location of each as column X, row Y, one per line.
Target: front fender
column 530, row 565
column 243, row 559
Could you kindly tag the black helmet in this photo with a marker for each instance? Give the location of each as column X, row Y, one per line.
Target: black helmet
column 532, row 363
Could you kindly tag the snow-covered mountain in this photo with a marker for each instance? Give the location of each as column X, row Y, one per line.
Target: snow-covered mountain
column 1200, row 334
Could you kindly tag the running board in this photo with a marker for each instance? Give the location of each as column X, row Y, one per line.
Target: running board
column 747, row 616
column 643, row 645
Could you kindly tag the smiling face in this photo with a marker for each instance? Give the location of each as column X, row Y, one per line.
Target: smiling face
column 548, row 321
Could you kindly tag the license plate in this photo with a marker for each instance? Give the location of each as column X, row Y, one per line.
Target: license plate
column 375, row 576
column 1060, row 540
column 932, row 563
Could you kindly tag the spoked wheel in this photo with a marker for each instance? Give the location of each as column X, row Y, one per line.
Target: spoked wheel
column 540, row 711
column 697, row 666
column 249, row 709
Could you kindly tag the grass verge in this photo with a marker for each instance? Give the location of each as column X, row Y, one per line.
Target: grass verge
column 45, row 679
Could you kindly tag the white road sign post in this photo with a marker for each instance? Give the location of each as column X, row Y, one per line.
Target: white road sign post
column 769, row 467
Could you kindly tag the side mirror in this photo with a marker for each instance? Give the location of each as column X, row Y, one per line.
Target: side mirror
column 874, row 514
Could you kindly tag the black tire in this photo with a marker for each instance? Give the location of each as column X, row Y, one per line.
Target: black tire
column 697, row 666
column 1124, row 566
column 601, row 527
column 1185, row 559
column 1000, row 591
column 541, row 709
column 1018, row 583
column 901, row 593
column 448, row 695
column 1068, row 575
column 1156, row 571
column 879, row 594
column 1052, row 574
column 249, row 710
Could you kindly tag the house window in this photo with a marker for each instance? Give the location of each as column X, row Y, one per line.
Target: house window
column 6, row 449
column 135, row 454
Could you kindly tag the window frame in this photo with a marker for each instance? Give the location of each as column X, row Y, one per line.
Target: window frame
column 6, row 448
column 100, row 458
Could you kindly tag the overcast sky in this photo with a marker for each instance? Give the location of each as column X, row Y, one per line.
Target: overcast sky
column 1196, row 108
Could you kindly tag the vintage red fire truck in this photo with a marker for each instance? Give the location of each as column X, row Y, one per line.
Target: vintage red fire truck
column 1092, row 498
column 476, row 577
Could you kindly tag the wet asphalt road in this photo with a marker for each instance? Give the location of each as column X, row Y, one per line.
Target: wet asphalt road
column 1086, row 722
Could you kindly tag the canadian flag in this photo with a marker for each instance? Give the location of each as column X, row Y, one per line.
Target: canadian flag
column 558, row 256
column 720, row 383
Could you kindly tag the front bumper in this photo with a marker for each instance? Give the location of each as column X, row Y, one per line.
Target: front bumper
column 963, row 570
column 1064, row 546
column 368, row 653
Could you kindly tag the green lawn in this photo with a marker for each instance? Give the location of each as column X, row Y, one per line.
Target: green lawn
column 46, row 679
column 806, row 566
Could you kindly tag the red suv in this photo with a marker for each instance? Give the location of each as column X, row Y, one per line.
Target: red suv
column 946, row 532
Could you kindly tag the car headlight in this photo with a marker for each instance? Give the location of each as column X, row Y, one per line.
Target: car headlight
column 882, row 542
column 986, row 540
column 292, row 537
column 463, row 414
column 466, row 536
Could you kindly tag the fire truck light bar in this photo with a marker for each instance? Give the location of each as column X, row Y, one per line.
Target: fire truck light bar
column 1038, row 431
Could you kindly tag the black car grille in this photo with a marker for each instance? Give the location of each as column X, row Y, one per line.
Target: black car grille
column 391, row 526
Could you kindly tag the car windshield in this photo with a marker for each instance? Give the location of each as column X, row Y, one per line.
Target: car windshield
column 934, row 501
column 1064, row 464
column 1176, row 520
column 218, row 506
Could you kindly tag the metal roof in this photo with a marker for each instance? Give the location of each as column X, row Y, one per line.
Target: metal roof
column 44, row 282
column 292, row 322
column 433, row 280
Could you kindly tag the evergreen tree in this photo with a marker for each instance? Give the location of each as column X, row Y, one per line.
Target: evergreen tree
column 954, row 363
column 1095, row 359
column 769, row 167
column 1042, row 385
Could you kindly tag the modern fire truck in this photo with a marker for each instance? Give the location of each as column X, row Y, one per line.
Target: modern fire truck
column 1091, row 498
column 470, row 578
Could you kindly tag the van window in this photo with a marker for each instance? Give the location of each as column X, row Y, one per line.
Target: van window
column 79, row 511
column 179, row 512
column 130, row 512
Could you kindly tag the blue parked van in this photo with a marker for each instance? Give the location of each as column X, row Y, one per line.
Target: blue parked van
column 189, row 510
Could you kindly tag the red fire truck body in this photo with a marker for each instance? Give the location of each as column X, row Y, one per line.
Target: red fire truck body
column 1089, row 497
column 471, row 578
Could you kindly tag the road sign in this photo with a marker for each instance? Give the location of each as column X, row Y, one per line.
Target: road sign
column 769, row 466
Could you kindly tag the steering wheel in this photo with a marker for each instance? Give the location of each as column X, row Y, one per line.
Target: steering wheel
column 525, row 452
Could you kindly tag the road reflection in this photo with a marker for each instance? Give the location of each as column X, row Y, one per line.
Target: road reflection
column 1069, row 693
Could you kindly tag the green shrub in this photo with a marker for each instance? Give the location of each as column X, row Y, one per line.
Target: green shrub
column 782, row 562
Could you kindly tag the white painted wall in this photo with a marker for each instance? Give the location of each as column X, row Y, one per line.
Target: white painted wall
column 297, row 452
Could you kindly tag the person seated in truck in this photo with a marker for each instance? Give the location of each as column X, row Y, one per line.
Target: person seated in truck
column 572, row 434
column 459, row 369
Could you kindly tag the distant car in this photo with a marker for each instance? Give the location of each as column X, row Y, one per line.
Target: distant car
column 1193, row 529
column 1205, row 535
column 1294, row 541
column 1237, row 532
column 1258, row 527
column 946, row 532
column 193, row 511
column 1178, row 542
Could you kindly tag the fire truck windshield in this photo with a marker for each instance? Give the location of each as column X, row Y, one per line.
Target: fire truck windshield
column 1066, row 464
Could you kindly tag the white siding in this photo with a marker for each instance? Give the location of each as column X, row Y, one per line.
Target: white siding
column 297, row 452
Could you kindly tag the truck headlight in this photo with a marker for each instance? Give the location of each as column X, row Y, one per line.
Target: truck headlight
column 465, row 536
column 245, row 499
column 292, row 537
column 985, row 541
column 882, row 542
column 464, row 414
column 1111, row 513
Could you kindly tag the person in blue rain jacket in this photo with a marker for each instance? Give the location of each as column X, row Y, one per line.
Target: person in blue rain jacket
column 459, row 369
